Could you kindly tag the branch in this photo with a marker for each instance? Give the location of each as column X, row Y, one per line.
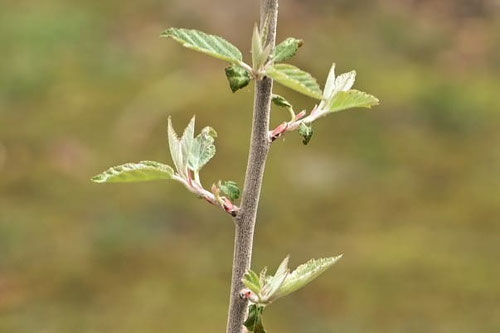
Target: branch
column 194, row 186
column 259, row 148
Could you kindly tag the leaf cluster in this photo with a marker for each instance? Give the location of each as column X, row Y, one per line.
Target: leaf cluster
column 189, row 154
column 264, row 289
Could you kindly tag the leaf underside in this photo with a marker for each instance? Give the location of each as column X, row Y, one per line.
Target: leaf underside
column 202, row 149
column 351, row 99
column 296, row 79
column 135, row 172
column 212, row 45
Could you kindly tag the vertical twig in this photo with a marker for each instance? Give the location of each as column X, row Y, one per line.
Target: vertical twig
column 259, row 147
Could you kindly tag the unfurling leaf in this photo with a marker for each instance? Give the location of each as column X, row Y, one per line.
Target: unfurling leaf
column 238, row 77
column 252, row 281
column 187, row 140
column 304, row 274
column 343, row 100
column 212, row 45
column 296, row 79
column 230, row 189
column 334, row 84
column 306, row 132
column 174, row 144
column 286, row 49
column 339, row 96
column 135, row 172
column 254, row 320
column 268, row 289
column 202, row 149
column 180, row 148
column 274, row 283
column 260, row 53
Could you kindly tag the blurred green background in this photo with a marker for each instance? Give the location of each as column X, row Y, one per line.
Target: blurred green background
column 409, row 191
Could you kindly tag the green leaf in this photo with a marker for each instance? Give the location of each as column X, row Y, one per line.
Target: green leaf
column 230, row 189
column 281, row 101
column 238, row 77
column 135, row 172
column 296, row 79
column 287, row 49
column 343, row 100
column 212, row 45
column 305, row 132
column 252, row 281
column 254, row 320
column 202, row 149
column 304, row 274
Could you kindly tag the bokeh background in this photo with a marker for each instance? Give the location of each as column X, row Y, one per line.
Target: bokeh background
column 408, row 191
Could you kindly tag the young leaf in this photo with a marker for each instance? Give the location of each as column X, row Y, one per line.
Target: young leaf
column 334, row 84
column 274, row 283
column 296, row 79
column 304, row 274
column 238, row 77
column 343, row 100
column 260, row 53
column 187, row 140
column 330, row 83
column 230, row 189
column 256, row 46
column 254, row 320
column 180, row 148
column 305, row 132
column 283, row 267
column 281, row 101
column 202, row 149
column 262, row 275
column 212, row 45
column 135, row 172
column 252, row 281
column 174, row 144
column 286, row 49
column 344, row 82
